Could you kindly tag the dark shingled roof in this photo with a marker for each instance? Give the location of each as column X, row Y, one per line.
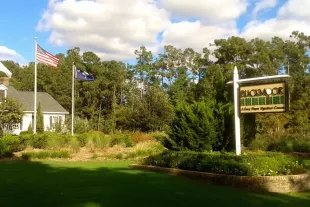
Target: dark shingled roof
column 26, row 98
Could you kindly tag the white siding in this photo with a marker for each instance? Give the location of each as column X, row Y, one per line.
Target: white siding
column 27, row 120
column 46, row 119
column 47, row 122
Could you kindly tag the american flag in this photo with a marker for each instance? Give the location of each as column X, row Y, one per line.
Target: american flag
column 47, row 58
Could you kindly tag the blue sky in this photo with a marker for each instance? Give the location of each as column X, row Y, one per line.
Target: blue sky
column 115, row 33
column 18, row 20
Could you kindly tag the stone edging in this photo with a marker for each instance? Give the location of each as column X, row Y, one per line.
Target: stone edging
column 281, row 184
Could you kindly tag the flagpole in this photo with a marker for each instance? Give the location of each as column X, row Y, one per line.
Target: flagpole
column 35, row 87
column 72, row 113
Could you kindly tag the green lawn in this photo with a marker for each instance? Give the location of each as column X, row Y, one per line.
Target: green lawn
column 114, row 184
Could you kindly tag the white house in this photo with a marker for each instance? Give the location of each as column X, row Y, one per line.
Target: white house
column 52, row 111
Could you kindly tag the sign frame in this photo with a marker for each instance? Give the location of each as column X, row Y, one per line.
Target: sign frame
column 286, row 95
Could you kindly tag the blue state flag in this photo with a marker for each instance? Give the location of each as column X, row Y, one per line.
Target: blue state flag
column 82, row 75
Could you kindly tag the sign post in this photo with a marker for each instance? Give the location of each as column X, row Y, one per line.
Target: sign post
column 272, row 97
column 236, row 110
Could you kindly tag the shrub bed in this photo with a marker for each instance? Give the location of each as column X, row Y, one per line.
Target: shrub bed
column 94, row 141
column 45, row 155
column 48, row 140
column 123, row 139
column 251, row 164
column 281, row 143
column 290, row 146
column 139, row 151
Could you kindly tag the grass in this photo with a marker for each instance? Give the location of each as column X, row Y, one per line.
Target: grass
column 139, row 151
column 145, row 149
column 98, row 184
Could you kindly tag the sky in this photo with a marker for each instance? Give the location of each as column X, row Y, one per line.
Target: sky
column 113, row 29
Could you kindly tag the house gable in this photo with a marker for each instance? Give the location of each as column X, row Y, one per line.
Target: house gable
column 48, row 103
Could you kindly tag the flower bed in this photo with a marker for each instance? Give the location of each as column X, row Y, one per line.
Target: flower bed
column 255, row 171
column 279, row 184
column 251, row 164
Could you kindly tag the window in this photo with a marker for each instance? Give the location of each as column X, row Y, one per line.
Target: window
column 15, row 126
column 55, row 119
column 55, row 122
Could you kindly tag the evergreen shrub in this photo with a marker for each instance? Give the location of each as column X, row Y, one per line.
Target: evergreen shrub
column 11, row 142
column 5, row 150
column 193, row 128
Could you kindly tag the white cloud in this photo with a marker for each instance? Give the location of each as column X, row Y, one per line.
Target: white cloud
column 9, row 54
column 210, row 11
column 111, row 28
column 292, row 16
column 264, row 4
column 274, row 27
column 297, row 9
column 194, row 35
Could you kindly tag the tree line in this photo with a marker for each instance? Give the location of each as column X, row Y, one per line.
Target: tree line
column 168, row 91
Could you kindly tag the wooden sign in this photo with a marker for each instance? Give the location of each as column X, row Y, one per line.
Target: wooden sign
column 264, row 98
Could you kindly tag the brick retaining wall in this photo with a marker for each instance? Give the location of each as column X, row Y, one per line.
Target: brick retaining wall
column 283, row 184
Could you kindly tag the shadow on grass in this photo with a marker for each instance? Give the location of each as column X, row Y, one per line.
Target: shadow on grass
column 114, row 184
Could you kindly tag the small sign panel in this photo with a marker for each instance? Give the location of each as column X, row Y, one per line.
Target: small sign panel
column 265, row 98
